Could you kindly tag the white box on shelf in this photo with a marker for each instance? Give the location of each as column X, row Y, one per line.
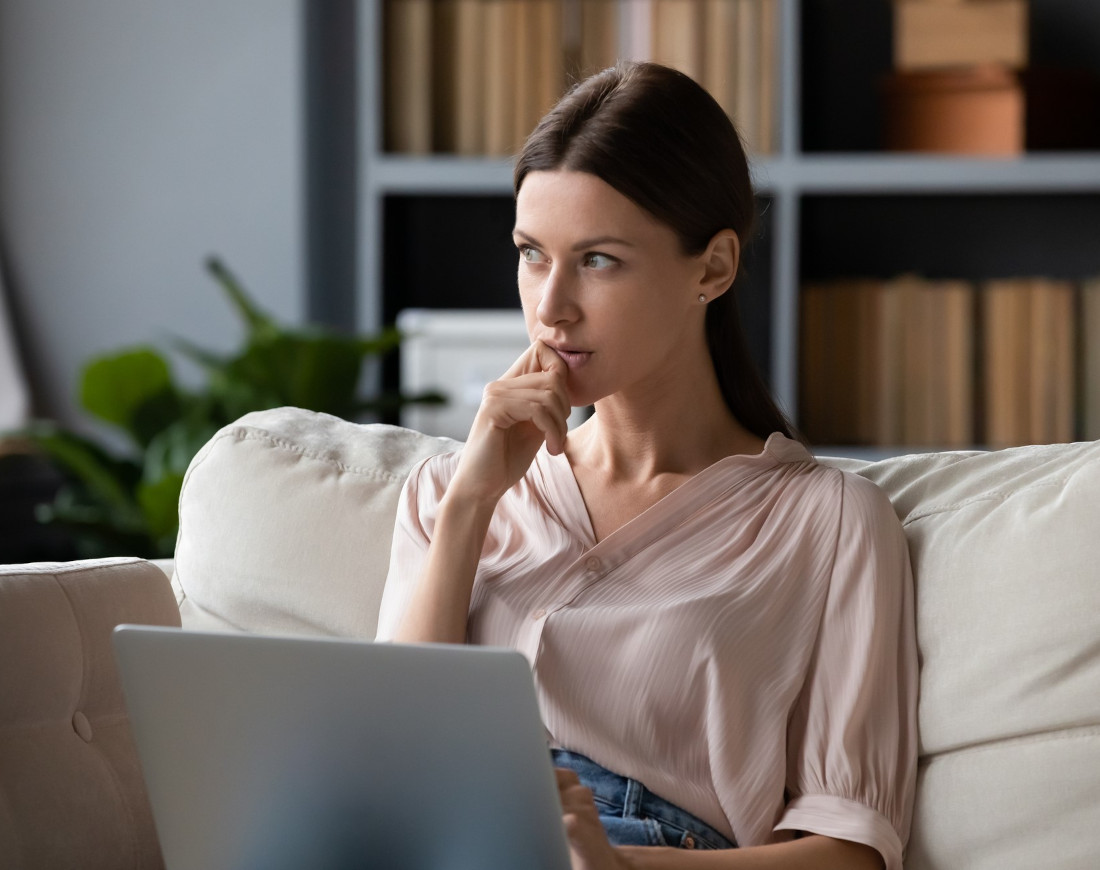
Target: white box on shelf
column 457, row 353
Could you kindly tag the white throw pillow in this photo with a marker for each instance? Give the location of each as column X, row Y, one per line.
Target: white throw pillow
column 286, row 519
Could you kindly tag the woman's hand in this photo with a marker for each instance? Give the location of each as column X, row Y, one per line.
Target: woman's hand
column 527, row 406
column 589, row 847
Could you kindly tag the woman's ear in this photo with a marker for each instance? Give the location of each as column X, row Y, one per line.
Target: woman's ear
column 720, row 261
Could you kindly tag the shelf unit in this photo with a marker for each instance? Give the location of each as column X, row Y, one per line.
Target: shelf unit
column 799, row 184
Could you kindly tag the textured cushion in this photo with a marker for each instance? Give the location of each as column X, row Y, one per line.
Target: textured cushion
column 1006, row 552
column 286, row 519
column 71, row 790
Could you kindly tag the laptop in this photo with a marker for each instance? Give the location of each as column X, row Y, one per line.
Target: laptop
column 273, row 753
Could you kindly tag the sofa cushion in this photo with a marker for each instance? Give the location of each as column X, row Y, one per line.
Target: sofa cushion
column 286, row 519
column 71, row 789
column 1006, row 555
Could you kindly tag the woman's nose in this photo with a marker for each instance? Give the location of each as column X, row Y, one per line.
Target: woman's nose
column 557, row 303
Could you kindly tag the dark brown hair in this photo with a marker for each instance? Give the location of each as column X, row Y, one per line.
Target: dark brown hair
column 661, row 140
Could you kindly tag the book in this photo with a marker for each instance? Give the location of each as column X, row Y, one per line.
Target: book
column 955, row 322
column 1090, row 360
column 466, row 76
column 875, row 350
column 1006, row 339
column 444, row 98
column 407, row 71
column 888, row 363
column 836, row 401
column 814, row 407
column 916, row 339
column 720, row 22
column 678, row 36
column 1052, row 363
column 525, row 113
column 547, row 17
column 540, row 63
column 768, row 76
column 746, row 114
column 501, row 20
column 940, row 35
column 599, row 35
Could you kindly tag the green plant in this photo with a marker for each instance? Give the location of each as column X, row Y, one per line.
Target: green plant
column 127, row 505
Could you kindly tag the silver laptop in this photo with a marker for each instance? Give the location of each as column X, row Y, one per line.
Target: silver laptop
column 266, row 753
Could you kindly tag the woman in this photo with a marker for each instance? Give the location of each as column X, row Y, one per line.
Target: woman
column 721, row 630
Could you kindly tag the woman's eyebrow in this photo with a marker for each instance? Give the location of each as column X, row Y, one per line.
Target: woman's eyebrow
column 579, row 246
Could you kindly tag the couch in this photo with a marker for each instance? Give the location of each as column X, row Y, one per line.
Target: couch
column 285, row 527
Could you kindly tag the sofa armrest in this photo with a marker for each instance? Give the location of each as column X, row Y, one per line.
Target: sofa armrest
column 71, row 787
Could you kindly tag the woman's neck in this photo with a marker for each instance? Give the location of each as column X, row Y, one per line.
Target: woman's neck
column 680, row 430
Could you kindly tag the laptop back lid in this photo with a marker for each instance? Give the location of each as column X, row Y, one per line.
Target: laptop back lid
column 266, row 752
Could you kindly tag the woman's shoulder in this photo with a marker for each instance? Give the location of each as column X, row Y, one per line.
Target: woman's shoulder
column 844, row 493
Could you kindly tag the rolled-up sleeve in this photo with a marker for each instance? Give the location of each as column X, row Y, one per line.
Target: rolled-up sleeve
column 852, row 739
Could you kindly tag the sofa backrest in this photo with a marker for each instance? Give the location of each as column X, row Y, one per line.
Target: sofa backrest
column 1006, row 555
column 71, row 789
column 286, row 524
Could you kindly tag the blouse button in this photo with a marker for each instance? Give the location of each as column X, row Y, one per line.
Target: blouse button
column 593, row 564
column 538, row 614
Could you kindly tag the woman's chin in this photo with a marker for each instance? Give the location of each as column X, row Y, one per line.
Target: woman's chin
column 580, row 397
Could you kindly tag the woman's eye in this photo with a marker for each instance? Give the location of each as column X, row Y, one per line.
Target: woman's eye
column 529, row 254
column 598, row 261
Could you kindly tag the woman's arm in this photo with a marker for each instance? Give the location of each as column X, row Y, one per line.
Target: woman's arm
column 438, row 609
column 526, row 407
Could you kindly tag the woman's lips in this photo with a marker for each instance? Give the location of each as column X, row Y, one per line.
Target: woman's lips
column 573, row 358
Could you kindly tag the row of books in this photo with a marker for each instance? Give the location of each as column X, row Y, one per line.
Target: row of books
column 950, row 364
column 473, row 77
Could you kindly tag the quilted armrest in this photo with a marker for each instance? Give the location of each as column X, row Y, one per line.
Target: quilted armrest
column 71, row 787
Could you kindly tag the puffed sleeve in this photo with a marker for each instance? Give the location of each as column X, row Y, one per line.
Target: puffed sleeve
column 852, row 740
column 416, row 511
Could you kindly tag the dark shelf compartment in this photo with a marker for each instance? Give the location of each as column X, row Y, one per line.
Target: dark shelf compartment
column 939, row 236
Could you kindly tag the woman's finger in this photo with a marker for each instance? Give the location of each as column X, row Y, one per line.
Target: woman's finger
column 588, row 844
column 504, row 408
column 539, row 388
column 539, row 357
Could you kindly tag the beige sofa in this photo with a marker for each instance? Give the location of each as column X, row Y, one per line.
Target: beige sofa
column 286, row 523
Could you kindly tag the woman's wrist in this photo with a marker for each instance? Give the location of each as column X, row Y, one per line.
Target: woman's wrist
column 469, row 500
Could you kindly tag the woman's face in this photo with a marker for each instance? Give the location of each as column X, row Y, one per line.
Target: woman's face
column 607, row 286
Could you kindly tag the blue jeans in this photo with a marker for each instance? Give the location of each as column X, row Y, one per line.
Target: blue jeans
column 634, row 816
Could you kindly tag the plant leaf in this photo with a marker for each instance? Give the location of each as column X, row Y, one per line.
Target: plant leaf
column 108, row 480
column 159, row 502
column 256, row 319
column 115, row 386
column 172, row 450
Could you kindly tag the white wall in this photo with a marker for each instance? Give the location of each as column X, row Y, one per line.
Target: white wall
column 136, row 138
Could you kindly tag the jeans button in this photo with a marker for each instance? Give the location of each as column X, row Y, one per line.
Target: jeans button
column 688, row 842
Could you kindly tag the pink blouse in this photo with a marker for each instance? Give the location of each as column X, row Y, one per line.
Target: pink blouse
column 745, row 648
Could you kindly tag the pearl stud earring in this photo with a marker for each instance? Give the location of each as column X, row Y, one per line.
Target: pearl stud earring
column 702, row 297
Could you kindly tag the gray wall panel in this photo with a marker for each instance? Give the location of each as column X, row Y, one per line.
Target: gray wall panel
column 136, row 138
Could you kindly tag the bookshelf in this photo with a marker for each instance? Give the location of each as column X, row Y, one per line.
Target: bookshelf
column 833, row 205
